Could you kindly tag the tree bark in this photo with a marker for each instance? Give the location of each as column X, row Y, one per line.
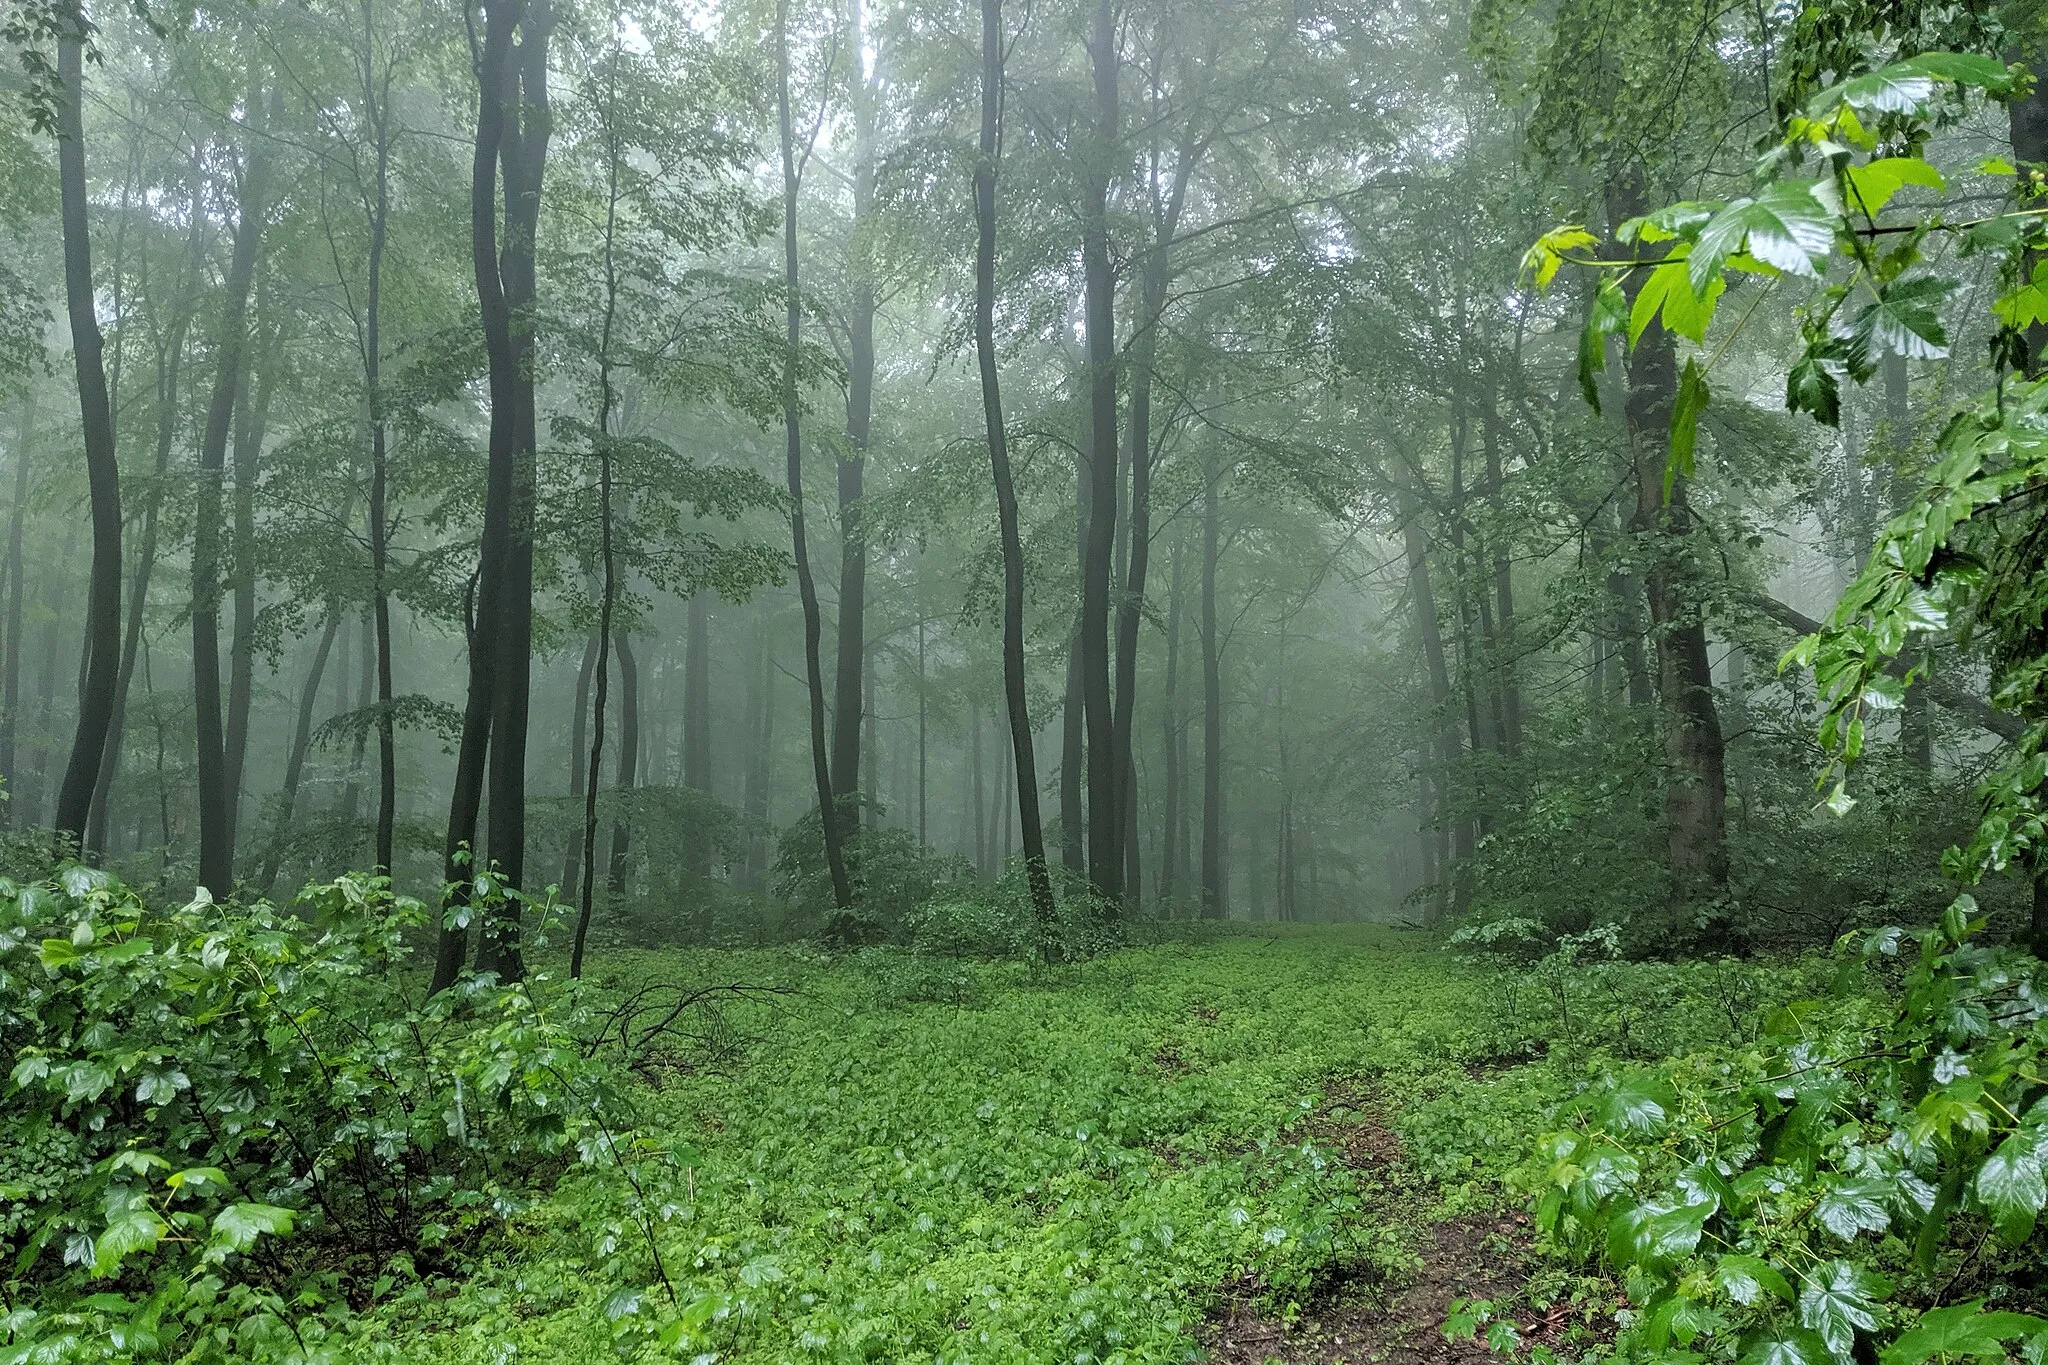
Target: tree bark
column 103, row 474
column 841, row 926
column 1171, row 834
column 761, row 731
column 1037, row 875
column 849, row 682
column 302, row 739
column 629, row 759
column 10, row 661
column 216, row 797
column 1214, row 901
column 1695, row 789
column 1105, row 813
column 252, row 419
column 1444, row 735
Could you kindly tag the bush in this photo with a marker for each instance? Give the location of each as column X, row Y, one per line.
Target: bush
column 219, row 1122
column 1834, row 1191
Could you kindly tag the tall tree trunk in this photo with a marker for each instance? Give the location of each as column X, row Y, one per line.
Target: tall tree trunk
column 1037, row 874
column 103, row 474
column 871, row 810
column 849, row 684
column 1507, row 692
column 1444, row 739
column 380, row 513
column 1105, row 814
column 828, row 814
column 760, row 769
column 1170, row 826
column 295, row 761
column 1145, row 347
column 923, row 725
column 216, row 797
column 514, row 123
column 579, row 731
column 629, row 758
column 978, row 797
column 366, row 656
column 252, row 419
column 1214, row 902
column 10, row 662
column 1695, row 788
column 697, row 725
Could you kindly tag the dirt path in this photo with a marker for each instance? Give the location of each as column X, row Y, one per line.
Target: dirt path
column 1363, row 1322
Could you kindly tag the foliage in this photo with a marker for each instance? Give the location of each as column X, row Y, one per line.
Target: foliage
column 1063, row 1163
column 223, row 1124
column 1827, row 1192
column 892, row 875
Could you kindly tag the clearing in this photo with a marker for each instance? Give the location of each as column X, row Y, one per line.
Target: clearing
column 1187, row 1148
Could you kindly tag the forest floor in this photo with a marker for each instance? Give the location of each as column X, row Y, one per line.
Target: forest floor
column 1274, row 1147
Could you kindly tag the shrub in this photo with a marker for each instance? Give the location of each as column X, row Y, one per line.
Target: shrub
column 219, row 1121
column 1831, row 1192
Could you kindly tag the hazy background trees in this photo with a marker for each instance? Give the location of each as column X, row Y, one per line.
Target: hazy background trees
column 1316, row 590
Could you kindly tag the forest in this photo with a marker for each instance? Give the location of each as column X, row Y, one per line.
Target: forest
column 1098, row 681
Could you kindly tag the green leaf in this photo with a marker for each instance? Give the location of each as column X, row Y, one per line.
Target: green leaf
column 1872, row 185
column 1540, row 263
column 1668, row 290
column 1902, row 321
column 1685, row 424
column 236, row 1227
column 1962, row 1330
column 1657, row 1233
column 1786, row 226
column 1838, row 1301
column 132, row 1226
column 1811, row 386
column 1787, row 1347
column 1853, row 1207
column 1639, row 1104
column 2011, row 1187
column 1746, row 1279
column 1607, row 316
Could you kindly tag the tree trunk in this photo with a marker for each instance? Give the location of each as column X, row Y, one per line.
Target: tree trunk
column 1214, row 901
column 978, row 798
column 760, row 769
column 697, row 725
column 103, row 474
column 10, row 662
column 1695, row 789
column 513, row 126
column 216, row 796
column 251, row 424
column 849, row 683
column 1444, row 739
column 629, row 758
column 1507, row 692
column 579, row 731
column 302, row 739
column 1037, row 874
column 1105, row 813
column 1170, row 824
column 829, row 821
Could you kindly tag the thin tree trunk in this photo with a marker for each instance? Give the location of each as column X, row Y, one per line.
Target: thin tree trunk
column 302, row 739
column 216, row 797
column 251, row 425
column 366, row 654
column 103, row 474
column 807, row 588
column 697, row 725
column 579, row 733
column 923, row 725
column 629, row 759
column 1037, row 874
column 1444, row 745
column 1170, row 827
column 1073, row 713
column 978, row 798
column 1214, row 901
column 761, row 730
column 852, row 691
column 1506, row 691
column 1105, row 813
column 10, row 663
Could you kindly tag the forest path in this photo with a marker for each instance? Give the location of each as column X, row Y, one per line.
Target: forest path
column 1389, row 1320
column 912, row 1157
